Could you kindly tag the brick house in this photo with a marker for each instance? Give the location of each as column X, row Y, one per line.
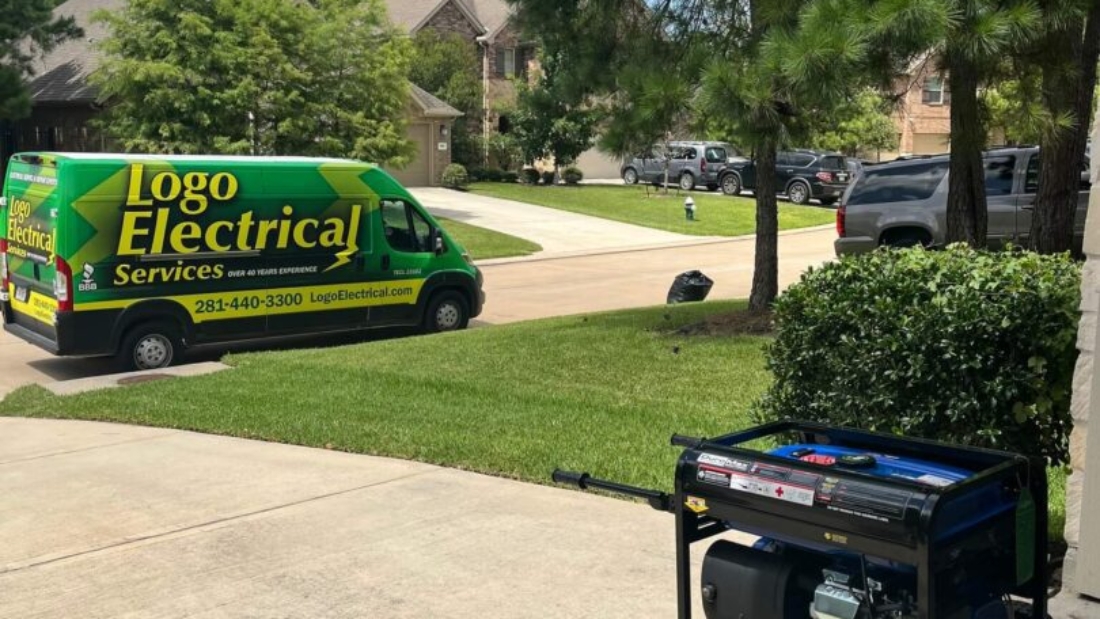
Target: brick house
column 923, row 117
column 505, row 58
column 64, row 103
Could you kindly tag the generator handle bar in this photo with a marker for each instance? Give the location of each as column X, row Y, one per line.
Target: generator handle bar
column 658, row 500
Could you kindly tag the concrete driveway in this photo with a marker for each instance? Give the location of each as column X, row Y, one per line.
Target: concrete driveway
column 556, row 231
column 102, row 520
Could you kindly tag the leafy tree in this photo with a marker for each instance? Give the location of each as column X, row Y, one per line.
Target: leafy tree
column 860, row 125
column 547, row 125
column 261, row 76
column 27, row 31
column 447, row 66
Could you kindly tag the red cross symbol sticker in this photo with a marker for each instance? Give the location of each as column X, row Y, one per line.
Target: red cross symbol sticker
column 779, row 492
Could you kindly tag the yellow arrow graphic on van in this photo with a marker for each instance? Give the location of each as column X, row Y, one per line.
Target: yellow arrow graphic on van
column 347, row 181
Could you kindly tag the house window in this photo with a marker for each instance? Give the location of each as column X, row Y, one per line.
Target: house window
column 504, row 125
column 933, row 90
column 510, row 63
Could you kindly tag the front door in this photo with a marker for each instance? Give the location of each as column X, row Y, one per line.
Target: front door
column 403, row 261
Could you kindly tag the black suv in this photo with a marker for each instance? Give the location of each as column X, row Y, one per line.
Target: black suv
column 800, row 174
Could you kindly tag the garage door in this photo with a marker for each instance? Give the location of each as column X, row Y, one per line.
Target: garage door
column 416, row 174
column 930, row 143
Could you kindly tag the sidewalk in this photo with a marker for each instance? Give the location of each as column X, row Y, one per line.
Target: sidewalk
column 107, row 520
column 555, row 230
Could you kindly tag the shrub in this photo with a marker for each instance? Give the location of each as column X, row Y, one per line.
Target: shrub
column 509, row 177
column 531, row 176
column 572, row 175
column 548, row 177
column 476, row 175
column 492, row 174
column 959, row 345
column 455, row 177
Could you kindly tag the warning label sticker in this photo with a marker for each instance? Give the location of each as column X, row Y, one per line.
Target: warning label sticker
column 772, row 488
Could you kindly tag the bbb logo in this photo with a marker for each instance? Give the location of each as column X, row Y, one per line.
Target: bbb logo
column 88, row 283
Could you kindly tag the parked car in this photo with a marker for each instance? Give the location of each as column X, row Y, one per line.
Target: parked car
column 690, row 164
column 904, row 203
column 800, row 174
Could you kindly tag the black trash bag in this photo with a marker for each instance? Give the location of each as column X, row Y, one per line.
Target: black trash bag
column 688, row 287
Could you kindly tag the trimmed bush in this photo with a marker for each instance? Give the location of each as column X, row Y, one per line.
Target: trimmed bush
column 455, row 177
column 476, row 175
column 958, row 345
column 531, row 176
column 572, row 175
column 509, row 177
column 548, row 177
column 492, row 175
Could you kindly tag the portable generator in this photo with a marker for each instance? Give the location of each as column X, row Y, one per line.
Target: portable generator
column 854, row 525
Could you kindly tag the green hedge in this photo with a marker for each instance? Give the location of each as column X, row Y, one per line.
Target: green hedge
column 957, row 345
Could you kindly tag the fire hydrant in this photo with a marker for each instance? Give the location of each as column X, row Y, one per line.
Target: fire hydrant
column 689, row 209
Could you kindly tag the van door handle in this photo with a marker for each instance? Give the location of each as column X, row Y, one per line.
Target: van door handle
column 385, row 262
column 1030, row 206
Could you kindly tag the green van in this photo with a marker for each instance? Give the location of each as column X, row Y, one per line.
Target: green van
column 140, row 256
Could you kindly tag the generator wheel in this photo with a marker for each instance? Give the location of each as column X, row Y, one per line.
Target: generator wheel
column 150, row 346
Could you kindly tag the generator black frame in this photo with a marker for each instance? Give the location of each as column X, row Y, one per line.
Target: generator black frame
column 991, row 467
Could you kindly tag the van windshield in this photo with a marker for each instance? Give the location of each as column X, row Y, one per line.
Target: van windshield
column 898, row 183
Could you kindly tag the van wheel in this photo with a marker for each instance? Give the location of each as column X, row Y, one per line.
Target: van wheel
column 151, row 346
column 448, row 311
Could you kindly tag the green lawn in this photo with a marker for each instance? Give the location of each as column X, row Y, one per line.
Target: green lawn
column 715, row 215
column 600, row 393
column 484, row 244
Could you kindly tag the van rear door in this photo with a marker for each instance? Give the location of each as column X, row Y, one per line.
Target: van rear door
column 37, row 282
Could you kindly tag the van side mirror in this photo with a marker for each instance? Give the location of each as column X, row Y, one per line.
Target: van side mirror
column 437, row 242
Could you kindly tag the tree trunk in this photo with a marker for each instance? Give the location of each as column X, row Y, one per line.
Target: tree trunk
column 966, row 208
column 765, row 273
column 1069, row 77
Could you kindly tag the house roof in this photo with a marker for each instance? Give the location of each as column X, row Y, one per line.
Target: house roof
column 487, row 16
column 430, row 105
column 62, row 75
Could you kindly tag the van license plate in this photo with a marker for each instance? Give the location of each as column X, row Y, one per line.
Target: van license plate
column 21, row 293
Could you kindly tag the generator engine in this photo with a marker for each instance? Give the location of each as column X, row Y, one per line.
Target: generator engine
column 844, row 524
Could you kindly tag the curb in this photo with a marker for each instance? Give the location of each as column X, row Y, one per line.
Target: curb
column 111, row 381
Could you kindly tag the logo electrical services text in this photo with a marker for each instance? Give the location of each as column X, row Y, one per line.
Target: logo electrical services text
column 161, row 217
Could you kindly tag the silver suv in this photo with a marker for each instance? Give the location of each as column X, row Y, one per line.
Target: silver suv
column 690, row 164
column 904, row 203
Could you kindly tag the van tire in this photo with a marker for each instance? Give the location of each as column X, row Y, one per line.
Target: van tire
column 150, row 346
column 447, row 311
